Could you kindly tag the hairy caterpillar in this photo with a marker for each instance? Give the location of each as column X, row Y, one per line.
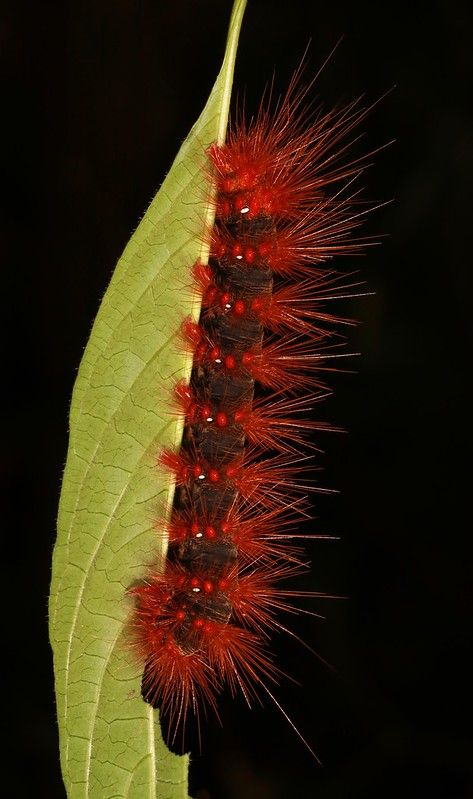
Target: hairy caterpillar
column 285, row 206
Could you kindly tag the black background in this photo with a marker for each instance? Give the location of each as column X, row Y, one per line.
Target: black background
column 99, row 96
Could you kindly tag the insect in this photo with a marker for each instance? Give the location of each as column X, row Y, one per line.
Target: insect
column 287, row 203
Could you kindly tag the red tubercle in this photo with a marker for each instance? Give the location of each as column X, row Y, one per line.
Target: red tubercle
column 221, row 419
column 239, row 307
column 224, row 300
column 215, row 475
column 192, row 333
column 229, row 362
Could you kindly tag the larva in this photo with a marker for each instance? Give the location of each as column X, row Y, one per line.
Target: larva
column 286, row 205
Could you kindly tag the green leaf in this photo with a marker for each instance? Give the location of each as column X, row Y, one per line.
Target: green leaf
column 109, row 737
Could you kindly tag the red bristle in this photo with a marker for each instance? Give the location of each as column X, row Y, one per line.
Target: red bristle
column 273, row 424
column 184, row 395
column 176, row 464
column 256, row 599
column 297, row 308
column 240, row 660
column 289, row 362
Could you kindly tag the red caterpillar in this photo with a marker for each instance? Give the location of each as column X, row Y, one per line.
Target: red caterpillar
column 284, row 207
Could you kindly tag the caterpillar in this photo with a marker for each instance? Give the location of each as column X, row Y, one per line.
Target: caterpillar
column 286, row 204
